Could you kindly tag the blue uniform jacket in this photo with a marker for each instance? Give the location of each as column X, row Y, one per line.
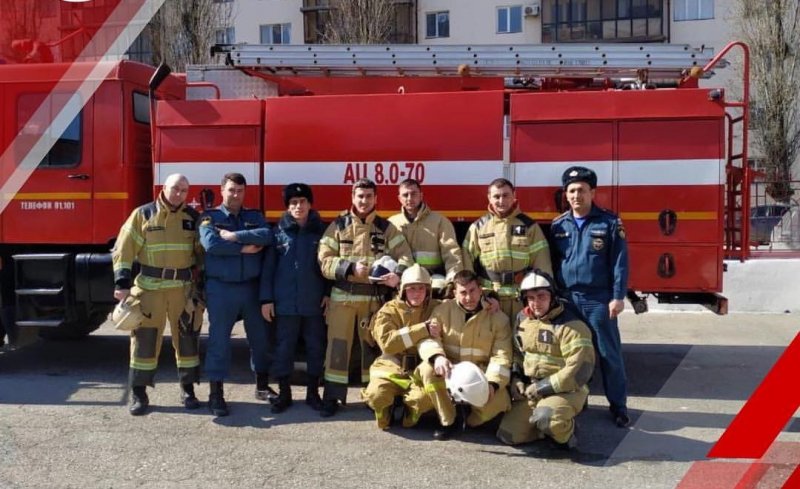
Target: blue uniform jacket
column 224, row 259
column 594, row 257
column 292, row 277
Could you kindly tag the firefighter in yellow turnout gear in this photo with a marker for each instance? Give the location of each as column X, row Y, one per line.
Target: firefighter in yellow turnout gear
column 503, row 245
column 430, row 235
column 553, row 361
column 470, row 332
column 162, row 237
column 397, row 329
column 347, row 250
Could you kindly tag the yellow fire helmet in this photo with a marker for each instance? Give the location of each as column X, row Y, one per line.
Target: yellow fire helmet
column 414, row 274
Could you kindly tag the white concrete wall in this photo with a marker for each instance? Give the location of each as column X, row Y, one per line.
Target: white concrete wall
column 758, row 285
column 251, row 14
column 475, row 22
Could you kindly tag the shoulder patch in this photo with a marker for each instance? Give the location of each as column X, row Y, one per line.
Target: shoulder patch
column 193, row 214
column 381, row 223
column 343, row 221
column 205, row 220
column 526, row 219
column 482, row 221
column 148, row 210
column 562, row 216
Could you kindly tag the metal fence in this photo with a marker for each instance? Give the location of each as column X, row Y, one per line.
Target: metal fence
column 774, row 225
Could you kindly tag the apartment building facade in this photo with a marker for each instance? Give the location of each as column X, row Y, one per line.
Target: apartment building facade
column 501, row 21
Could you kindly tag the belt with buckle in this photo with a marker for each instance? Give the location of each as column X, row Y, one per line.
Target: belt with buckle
column 184, row 274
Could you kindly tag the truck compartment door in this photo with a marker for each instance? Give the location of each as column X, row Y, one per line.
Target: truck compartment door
column 452, row 143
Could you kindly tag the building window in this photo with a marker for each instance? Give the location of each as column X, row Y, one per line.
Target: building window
column 141, row 50
column 509, row 19
column 602, row 20
column 317, row 15
column 693, row 10
column 276, row 33
column 437, row 24
column 225, row 36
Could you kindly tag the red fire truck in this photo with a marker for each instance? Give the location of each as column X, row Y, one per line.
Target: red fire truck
column 452, row 117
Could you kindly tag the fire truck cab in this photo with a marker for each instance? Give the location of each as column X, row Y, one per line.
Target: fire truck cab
column 73, row 189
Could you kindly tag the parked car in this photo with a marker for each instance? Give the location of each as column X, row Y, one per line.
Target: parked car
column 763, row 218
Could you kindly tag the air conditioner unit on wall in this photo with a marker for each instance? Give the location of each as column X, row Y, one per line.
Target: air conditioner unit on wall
column 531, row 10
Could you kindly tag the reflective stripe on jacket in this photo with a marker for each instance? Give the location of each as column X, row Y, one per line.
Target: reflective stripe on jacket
column 158, row 236
column 484, row 339
column 349, row 240
column 432, row 239
column 509, row 246
column 555, row 351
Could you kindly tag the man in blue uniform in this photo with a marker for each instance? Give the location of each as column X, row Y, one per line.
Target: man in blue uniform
column 591, row 263
column 234, row 238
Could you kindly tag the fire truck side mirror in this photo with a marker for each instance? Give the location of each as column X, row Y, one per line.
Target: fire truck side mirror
column 158, row 77
column 560, row 201
column 207, row 198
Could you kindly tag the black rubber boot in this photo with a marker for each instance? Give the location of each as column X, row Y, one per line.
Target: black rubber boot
column 284, row 399
column 329, row 408
column 312, row 394
column 443, row 433
column 263, row 391
column 139, row 400
column 216, row 400
column 188, row 398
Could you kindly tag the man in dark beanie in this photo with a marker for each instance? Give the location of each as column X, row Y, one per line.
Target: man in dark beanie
column 300, row 293
column 297, row 190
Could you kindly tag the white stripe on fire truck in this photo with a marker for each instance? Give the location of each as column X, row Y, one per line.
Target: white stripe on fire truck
column 625, row 172
column 207, row 172
column 475, row 172
column 467, row 172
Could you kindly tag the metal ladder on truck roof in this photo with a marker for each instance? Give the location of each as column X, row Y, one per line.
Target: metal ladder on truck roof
column 545, row 60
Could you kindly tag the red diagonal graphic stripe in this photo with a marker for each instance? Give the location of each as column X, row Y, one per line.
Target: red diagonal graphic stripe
column 79, row 81
column 793, row 482
column 766, row 412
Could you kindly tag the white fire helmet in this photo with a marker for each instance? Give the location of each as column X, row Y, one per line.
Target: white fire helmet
column 438, row 281
column 382, row 266
column 467, row 383
column 127, row 314
column 414, row 274
column 535, row 280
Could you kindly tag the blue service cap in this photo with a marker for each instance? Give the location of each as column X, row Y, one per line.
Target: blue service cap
column 579, row 174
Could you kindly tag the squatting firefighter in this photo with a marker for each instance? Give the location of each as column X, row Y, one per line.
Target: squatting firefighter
column 503, row 245
column 470, row 332
column 301, row 294
column 591, row 258
column 553, row 361
column 162, row 237
column 397, row 328
column 234, row 238
column 430, row 235
column 352, row 242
